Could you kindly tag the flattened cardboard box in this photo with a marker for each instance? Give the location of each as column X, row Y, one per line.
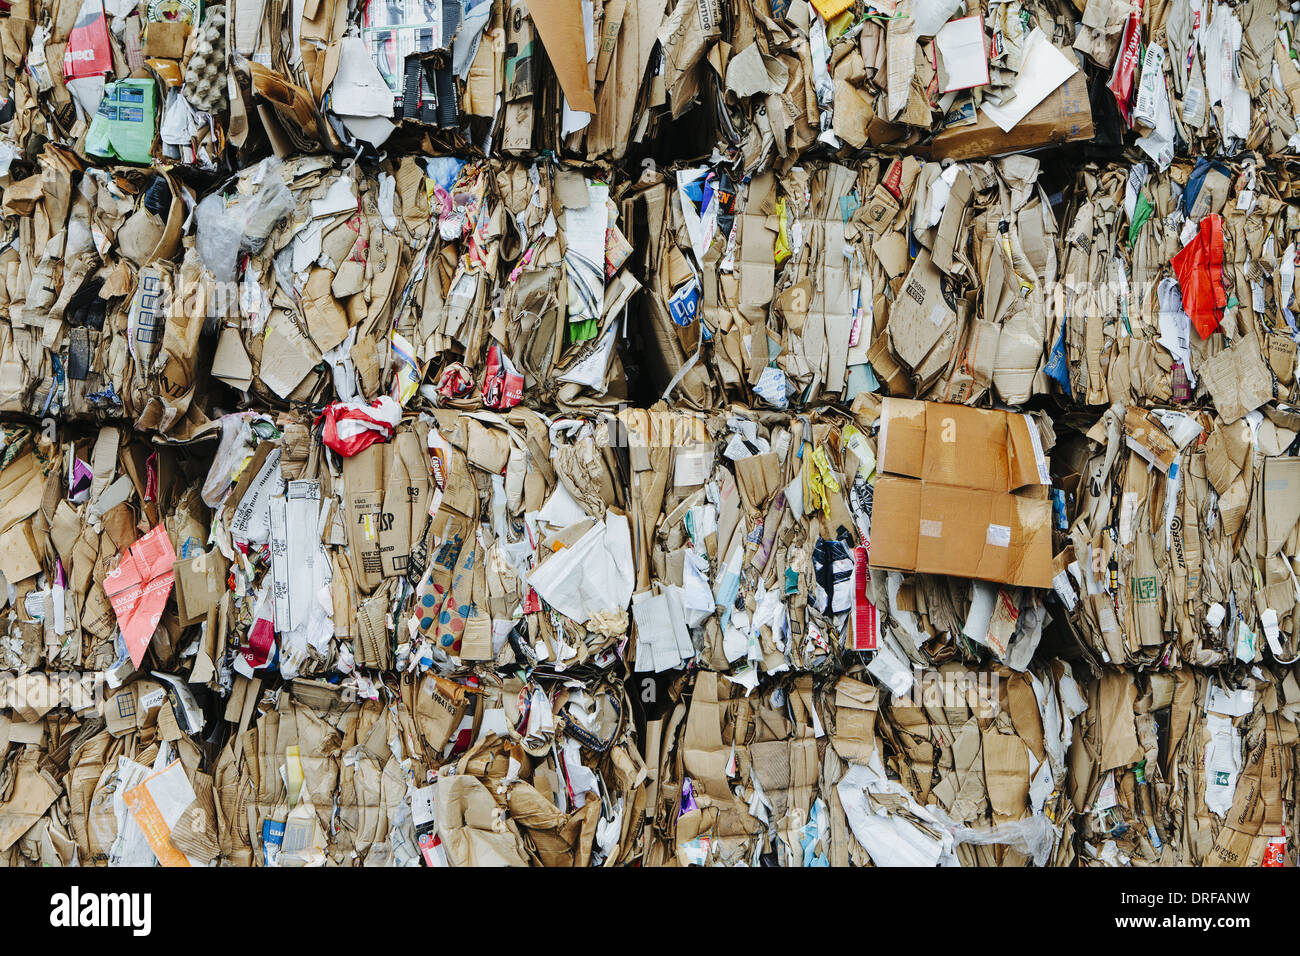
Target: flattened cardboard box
column 945, row 502
column 200, row 582
column 963, row 532
column 1064, row 117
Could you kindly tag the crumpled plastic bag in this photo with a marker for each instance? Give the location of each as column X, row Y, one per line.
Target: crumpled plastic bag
column 223, row 230
column 1199, row 268
column 352, row 427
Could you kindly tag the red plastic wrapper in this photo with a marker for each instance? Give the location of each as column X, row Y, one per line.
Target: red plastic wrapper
column 352, row 427
column 456, row 381
column 1123, row 77
column 1275, row 852
column 261, row 643
column 1199, row 268
column 866, row 619
column 503, row 386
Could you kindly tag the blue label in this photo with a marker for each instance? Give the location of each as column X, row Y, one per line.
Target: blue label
column 684, row 305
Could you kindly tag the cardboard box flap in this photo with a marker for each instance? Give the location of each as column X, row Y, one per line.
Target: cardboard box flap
column 1026, row 460
column 966, row 447
column 1018, row 542
column 896, row 518
column 901, row 446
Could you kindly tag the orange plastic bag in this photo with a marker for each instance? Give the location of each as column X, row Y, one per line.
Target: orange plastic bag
column 1199, row 268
